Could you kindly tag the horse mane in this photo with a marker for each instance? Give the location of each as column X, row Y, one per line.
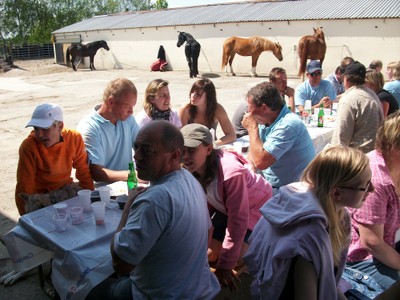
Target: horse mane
column 260, row 42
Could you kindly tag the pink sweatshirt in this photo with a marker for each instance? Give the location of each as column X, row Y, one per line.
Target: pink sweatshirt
column 243, row 193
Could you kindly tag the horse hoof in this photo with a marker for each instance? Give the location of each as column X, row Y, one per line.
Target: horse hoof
column 233, row 74
column 253, row 75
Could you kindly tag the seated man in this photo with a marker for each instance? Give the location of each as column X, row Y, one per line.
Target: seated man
column 360, row 113
column 336, row 80
column 280, row 145
column 110, row 131
column 316, row 89
column 47, row 156
column 373, row 248
column 278, row 77
column 160, row 247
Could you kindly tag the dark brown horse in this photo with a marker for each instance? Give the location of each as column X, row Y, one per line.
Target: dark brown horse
column 192, row 52
column 80, row 50
column 252, row 46
column 311, row 47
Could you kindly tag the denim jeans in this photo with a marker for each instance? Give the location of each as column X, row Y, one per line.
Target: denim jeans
column 383, row 275
column 112, row 289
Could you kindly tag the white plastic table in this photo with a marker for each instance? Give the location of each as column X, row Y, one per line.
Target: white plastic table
column 81, row 254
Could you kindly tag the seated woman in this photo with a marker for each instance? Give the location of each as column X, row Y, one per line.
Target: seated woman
column 234, row 194
column 204, row 109
column 375, row 81
column 373, row 250
column 298, row 247
column 157, row 104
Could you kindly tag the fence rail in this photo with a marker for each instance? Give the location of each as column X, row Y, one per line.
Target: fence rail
column 32, row 51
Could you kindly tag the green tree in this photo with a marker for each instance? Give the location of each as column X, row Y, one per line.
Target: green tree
column 161, row 4
column 33, row 21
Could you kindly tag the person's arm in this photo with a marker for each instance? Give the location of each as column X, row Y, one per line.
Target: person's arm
column 258, row 156
column 102, row 174
column 80, row 164
column 371, row 237
column 344, row 128
column 290, row 94
column 26, row 174
column 385, row 108
column 305, row 280
column 184, row 115
column 226, row 126
column 120, row 266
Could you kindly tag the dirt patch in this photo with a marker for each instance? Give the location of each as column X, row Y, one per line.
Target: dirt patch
column 34, row 68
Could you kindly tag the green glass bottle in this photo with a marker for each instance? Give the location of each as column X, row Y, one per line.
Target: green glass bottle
column 321, row 116
column 132, row 180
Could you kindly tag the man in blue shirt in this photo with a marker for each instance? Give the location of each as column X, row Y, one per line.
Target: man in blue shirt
column 280, row 145
column 316, row 89
column 110, row 131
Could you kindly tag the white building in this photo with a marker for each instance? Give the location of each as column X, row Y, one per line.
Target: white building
column 363, row 29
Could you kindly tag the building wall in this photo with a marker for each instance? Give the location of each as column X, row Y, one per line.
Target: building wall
column 364, row 40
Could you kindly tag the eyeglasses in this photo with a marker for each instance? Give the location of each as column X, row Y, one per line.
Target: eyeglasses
column 366, row 189
column 316, row 74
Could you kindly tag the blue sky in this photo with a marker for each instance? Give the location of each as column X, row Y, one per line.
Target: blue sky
column 180, row 3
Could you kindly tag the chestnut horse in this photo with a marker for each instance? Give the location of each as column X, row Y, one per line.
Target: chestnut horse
column 312, row 47
column 252, row 46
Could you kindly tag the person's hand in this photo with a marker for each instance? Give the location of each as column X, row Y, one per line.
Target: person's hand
column 133, row 193
column 249, row 122
column 326, row 101
column 227, row 278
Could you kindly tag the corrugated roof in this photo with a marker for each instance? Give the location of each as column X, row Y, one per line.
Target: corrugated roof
column 243, row 12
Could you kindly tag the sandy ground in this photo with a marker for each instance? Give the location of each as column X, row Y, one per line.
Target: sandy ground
column 39, row 81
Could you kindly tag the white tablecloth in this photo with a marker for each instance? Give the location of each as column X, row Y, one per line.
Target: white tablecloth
column 81, row 254
column 321, row 136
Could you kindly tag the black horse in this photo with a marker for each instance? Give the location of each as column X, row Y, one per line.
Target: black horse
column 192, row 51
column 80, row 50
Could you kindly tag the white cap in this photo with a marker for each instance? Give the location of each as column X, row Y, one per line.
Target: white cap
column 44, row 115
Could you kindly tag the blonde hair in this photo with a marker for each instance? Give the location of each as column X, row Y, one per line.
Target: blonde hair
column 333, row 167
column 395, row 67
column 388, row 134
column 375, row 78
column 151, row 92
column 118, row 88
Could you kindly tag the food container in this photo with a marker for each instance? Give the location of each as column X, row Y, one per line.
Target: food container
column 121, row 200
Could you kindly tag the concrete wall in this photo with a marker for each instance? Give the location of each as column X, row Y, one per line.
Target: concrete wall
column 364, row 40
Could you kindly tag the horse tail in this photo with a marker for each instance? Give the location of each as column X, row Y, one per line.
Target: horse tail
column 303, row 54
column 224, row 57
column 67, row 57
column 225, row 53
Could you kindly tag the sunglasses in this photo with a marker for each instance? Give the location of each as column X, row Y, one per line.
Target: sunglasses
column 365, row 189
column 316, row 74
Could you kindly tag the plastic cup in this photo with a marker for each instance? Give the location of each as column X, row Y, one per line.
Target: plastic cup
column 99, row 212
column 60, row 208
column 104, row 192
column 238, row 147
column 76, row 214
column 60, row 222
column 84, row 199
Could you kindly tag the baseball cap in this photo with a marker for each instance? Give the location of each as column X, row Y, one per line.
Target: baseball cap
column 313, row 65
column 355, row 68
column 44, row 115
column 194, row 134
